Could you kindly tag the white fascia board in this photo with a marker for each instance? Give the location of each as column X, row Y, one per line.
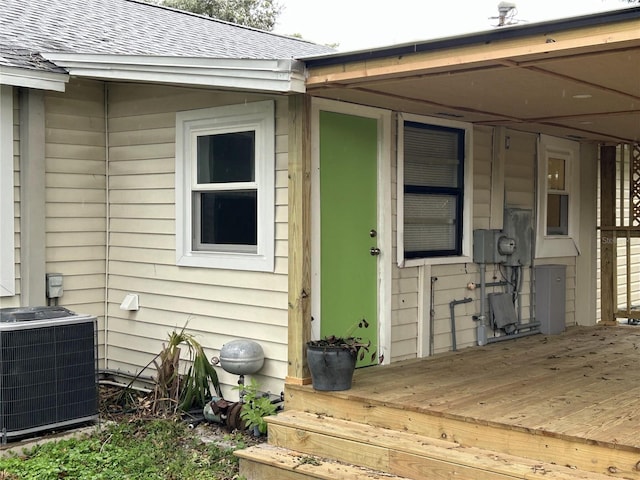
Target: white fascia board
column 248, row 74
column 24, row 77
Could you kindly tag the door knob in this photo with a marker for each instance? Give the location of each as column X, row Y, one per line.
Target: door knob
column 374, row 251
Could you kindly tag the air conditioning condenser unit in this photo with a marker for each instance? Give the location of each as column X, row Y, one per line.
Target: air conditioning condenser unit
column 48, row 375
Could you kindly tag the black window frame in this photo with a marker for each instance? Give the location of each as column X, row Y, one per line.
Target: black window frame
column 456, row 192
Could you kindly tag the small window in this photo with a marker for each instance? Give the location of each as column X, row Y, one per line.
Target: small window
column 558, row 197
column 225, row 194
column 433, row 190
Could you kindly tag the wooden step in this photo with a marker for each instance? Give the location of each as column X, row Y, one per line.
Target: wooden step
column 502, row 439
column 405, row 454
column 266, row 462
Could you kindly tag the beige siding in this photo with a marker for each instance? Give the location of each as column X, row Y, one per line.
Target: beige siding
column 215, row 305
column 453, row 279
column 14, row 301
column 625, row 278
column 520, row 157
column 408, row 312
column 75, row 196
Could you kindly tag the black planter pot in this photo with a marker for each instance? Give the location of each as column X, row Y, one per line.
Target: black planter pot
column 331, row 367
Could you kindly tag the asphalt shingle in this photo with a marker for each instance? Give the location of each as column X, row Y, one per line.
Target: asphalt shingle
column 130, row 27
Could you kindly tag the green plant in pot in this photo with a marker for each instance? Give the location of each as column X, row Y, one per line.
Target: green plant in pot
column 332, row 359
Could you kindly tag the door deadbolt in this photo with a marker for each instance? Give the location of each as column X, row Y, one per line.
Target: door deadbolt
column 373, row 233
column 374, row 251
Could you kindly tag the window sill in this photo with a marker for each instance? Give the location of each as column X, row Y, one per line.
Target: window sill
column 417, row 262
column 553, row 247
column 227, row 261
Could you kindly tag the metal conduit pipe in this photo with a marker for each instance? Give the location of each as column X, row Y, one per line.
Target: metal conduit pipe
column 515, row 335
column 452, row 306
column 482, row 318
column 501, row 283
column 432, row 316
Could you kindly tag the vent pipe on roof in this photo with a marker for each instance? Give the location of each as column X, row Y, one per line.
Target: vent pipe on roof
column 506, row 12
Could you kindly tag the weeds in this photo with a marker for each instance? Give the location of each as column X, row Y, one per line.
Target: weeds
column 139, row 450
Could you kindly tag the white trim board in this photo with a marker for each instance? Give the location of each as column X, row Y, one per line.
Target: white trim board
column 384, row 215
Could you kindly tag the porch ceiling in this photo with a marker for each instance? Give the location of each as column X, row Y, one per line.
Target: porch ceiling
column 583, row 83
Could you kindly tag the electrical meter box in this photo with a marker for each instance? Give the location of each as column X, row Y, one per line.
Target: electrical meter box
column 485, row 246
column 518, row 225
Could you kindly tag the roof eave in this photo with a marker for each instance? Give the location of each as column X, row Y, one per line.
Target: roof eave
column 484, row 36
column 272, row 75
column 30, row 78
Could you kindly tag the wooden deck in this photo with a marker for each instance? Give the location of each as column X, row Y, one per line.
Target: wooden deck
column 570, row 401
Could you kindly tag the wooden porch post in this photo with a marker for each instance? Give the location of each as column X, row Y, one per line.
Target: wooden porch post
column 608, row 302
column 299, row 196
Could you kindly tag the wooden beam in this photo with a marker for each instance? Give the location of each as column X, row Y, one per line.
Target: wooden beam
column 532, row 48
column 299, row 197
column 607, row 237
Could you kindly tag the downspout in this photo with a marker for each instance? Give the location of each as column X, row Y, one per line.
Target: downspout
column 107, row 225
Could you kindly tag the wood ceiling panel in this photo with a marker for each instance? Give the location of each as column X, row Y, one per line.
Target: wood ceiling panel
column 614, row 70
column 510, row 92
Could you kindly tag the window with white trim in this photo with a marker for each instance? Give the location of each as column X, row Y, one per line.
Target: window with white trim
column 7, row 243
column 433, row 189
column 225, row 161
column 558, row 197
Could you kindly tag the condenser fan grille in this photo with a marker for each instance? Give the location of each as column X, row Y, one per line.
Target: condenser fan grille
column 47, row 374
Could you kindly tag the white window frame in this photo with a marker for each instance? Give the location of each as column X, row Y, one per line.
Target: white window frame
column 467, row 211
column 256, row 116
column 7, row 234
column 550, row 246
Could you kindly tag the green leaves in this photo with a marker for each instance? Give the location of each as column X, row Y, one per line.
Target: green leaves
column 256, row 406
column 193, row 389
column 261, row 14
column 140, row 450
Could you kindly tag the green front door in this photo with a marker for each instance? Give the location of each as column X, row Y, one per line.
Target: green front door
column 348, row 223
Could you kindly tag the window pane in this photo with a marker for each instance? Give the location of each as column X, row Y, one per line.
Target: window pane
column 228, row 157
column 429, row 223
column 557, row 214
column 228, row 218
column 555, row 174
column 431, row 156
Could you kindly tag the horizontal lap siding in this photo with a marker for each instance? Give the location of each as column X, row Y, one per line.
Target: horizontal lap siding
column 215, row 305
column 14, row 300
column 453, row 279
column 520, row 174
column 407, row 299
column 75, row 193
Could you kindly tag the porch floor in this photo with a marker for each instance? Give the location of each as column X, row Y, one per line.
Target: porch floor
column 571, row 400
column 583, row 384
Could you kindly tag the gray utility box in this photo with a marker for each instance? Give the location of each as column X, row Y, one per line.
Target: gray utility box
column 550, row 298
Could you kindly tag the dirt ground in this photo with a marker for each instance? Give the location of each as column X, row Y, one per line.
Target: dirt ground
column 118, row 404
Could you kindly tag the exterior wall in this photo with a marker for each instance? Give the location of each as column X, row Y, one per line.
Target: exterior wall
column 411, row 306
column 623, row 215
column 75, row 186
column 14, row 300
column 215, row 305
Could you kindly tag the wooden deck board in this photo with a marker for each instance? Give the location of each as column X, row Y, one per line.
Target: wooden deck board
column 582, row 383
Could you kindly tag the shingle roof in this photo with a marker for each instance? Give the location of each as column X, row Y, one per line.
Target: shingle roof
column 131, row 27
column 20, row 58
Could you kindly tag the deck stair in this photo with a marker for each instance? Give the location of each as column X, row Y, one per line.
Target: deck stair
column 312, row 446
